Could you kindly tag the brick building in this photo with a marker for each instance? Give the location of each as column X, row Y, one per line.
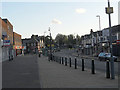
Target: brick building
column 7, row 30
column 17, row 43
column 8, row 39
column 33, row 44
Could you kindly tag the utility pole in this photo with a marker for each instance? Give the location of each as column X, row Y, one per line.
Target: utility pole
column 109, row 10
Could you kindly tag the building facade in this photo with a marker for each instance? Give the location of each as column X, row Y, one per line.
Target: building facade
column 1, row 41
column 7, row 37
column 7, row 40
column 33, row 44
column 99, row 41
column 17, row 43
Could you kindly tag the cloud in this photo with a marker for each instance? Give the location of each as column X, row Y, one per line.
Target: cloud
column 55, row 21
column 80, row 10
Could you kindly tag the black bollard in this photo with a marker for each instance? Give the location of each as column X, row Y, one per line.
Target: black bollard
column 82, row 64
column 9, row 58
column 65, row 61
column 48, row 57
column 70, row 61
column 93, row 67
column 53, row 58
column 107, row 69
column 39, row 55
column 12, row 57
column 56, row 58
column 75, row 63
column 62, row 60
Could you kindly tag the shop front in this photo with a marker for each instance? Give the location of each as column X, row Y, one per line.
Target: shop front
column 18, row 50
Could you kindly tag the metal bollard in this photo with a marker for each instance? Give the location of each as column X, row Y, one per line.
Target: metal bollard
column 12, row 57
column 56, row 58
column 62, row 60
column 107, row 69
column 70, row 61
column 53, row 58
column 39, row 55
column 75, row 63
column 48, row 57
column 65, row 61
column 82, row 64
column 9, row 58
column 93, row 67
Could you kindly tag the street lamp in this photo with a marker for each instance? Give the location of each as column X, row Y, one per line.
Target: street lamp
column 44, row 39
column 109, row 10
column 97, row 33
column 99, row 22
column 50, row 57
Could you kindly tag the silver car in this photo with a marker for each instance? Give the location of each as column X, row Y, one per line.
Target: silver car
column 106, row 56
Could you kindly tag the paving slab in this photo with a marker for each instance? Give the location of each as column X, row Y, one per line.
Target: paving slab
column 55, row 75
column 22, row 72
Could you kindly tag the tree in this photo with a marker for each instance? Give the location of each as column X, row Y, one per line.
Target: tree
column 61, row 39
column 77, row 39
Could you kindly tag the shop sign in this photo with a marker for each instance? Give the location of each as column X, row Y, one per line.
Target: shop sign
column 6, row 42
column 17, row 47
column 118, row 41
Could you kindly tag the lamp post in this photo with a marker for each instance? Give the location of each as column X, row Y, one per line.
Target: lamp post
column 99, row 22
column 44, row 39
column 50, row 57
column 97, row 33
column 109, row 10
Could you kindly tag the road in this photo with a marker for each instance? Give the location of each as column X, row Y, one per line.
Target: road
column 99, row 65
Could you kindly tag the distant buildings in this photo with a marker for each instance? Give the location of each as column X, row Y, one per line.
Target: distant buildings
column 33, row 44
column 8, row 40
column 17, row 43
column 96, row 42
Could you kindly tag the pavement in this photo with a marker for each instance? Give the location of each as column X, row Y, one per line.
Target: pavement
column 30, row 71
column 22, row 72
column 55, row 75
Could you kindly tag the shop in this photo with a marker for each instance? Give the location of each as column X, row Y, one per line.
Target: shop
column 18, row 50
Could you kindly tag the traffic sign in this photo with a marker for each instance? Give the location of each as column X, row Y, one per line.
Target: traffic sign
column 109, row 10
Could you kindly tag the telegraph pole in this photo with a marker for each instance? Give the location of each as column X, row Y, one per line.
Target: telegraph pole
column 109, row 10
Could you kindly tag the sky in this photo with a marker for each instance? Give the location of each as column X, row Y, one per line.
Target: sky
column 66, row 18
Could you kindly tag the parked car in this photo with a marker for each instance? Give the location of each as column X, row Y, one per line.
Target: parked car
column 106, row 56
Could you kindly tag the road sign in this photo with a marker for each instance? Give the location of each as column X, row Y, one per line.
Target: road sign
column 109, row 10
column 52, row 45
